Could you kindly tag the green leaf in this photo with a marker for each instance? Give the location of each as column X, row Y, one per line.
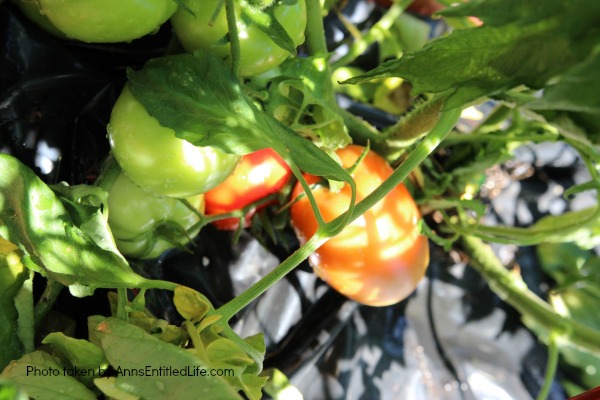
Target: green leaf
column 132, row 351
column 561, row 260
column 520, row 44
column 43, row 378
column 81, row 355
column 108, row 386
column 266, row 21
column 13, row 274
column 279, row 387
column 34, row 218
column 577, row 90
column 25, row 309
column 190, row 304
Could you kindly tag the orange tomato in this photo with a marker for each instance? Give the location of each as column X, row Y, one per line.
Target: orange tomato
column 381, row 256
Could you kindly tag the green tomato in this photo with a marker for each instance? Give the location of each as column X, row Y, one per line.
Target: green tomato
column 144, row 225
column 258, row 53
column 155, row 159
column 106, row 21
column 31, row 9
column 392, row 95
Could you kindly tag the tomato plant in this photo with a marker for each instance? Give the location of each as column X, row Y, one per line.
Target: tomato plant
column 378, row 259
column 460, row 117
column 259, row 53
column 156, row 160
column 257, row 176
column 144, row 225
column 100, row 21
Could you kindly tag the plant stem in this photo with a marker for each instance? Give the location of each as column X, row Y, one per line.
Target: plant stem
column 551, row 366
column 44, row 304
column 228, row 310
column 447, row 121
column 317, row 47
column 315, row 31
column 234, row 38
column 122, row 304
column 537, row 314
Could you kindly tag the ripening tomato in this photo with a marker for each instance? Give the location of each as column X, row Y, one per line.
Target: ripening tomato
column 380, row 257
column 258, row 175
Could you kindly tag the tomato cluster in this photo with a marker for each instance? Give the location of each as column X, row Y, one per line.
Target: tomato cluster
column 166, row 185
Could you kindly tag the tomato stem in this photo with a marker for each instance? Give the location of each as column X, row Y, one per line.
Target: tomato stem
column 536, row 313
column 45, row 303
column 315, row 31
column 234, row 39
column 551, row 366
column 317, row 47
column 228, row 310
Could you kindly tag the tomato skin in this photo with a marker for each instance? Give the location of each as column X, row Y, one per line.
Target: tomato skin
column 135, row 216
column 155, row 159
column 380, row 257
column 258, row 53
column 258, row 175
column 104, row 21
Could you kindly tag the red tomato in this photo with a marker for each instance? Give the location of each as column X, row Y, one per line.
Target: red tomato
column 379, row 258
column 258, row 175
column 423, row 7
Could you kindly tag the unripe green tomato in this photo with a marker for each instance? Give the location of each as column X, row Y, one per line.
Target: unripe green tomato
column 107, row 21
column 144, row 225
column 158, row 161
column 258, row 53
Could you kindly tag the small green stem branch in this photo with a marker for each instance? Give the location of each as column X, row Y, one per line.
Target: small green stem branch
column 377, row 32
column 551, row 366
column 427, row 146
column 122, row 304
column 234, row 39
column 44, row 304
column 536, row 313
column 317, row 47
